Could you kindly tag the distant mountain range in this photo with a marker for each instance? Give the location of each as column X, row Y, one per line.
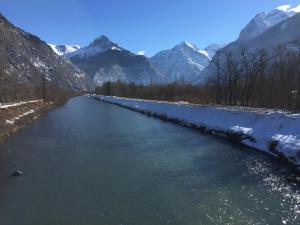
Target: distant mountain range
column 184, row 62
column 104, row 60
column 25, row 59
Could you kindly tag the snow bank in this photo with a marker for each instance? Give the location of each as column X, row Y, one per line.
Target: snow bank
column 274, row 132
column 18, row 104
column 12, row 122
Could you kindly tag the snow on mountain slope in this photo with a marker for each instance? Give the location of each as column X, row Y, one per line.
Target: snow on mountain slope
column 286, row 33
column 25, row 59
column 212, row 49
column 64, row 49
column 183, row 62
column 104, row 60
column 99, row 45
column 263, row 21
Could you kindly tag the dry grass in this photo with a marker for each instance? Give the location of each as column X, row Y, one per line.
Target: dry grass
column 11, row 113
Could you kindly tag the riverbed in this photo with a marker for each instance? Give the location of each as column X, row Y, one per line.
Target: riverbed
column 89, row 163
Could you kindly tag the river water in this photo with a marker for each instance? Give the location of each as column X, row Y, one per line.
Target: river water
column 92, row 163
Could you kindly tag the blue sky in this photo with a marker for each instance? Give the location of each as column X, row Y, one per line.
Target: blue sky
column 138, row 25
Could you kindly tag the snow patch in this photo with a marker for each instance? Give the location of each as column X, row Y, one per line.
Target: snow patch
column 18, row 104
column 12, row 122
column 284, row 8
column 296, row 9
column 44, row 68
column 244, row 130
column 64, row 49
column 143, row 52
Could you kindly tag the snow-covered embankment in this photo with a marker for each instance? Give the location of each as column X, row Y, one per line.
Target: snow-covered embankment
column 274, row 132
column 15, row 116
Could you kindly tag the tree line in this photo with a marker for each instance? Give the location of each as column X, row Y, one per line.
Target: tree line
column 258, row 79
column 177, row 91
column 253, row 79
column 12, row 91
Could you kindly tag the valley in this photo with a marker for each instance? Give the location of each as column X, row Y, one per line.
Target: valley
column 156, row 129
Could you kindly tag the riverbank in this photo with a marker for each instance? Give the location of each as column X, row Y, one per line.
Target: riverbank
column 16, row 116
column 274, row 132
column 91, row 161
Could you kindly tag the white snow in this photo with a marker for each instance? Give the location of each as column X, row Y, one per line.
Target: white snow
column 143, row 52
column 289, row 9
column 99, row 45
column 296, row 9
column 44, row 68
column 18, row 104
column 192, row 46
column 183, row 62
column 12, row 121
column 284, row 8
column 211, row 50
column 64, row 49
column 263, row 21
column 259, row 128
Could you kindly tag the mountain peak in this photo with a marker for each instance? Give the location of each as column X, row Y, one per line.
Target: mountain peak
column 102, row 40
column 99, row 45
column 183, row 62
column 187, row 44
column 263, row 21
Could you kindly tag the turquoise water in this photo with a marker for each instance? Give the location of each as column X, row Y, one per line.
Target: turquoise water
column 92, row 163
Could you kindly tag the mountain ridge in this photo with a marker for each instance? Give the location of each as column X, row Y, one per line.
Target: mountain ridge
column 31, row 59
column 184, row 62
column 104, row 60
column 285, row 33
column 263, row 21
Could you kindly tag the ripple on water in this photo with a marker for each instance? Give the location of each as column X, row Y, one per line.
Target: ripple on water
column 276, row 185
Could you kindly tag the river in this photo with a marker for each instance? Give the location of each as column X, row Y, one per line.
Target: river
column 93, row 163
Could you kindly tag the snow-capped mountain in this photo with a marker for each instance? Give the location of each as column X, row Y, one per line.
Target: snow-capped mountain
column 104, row 60
column 285, row 33
column 184, row 62
column 25, row 59
column 99, row 45
column 64, row 49
column 263, row 21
